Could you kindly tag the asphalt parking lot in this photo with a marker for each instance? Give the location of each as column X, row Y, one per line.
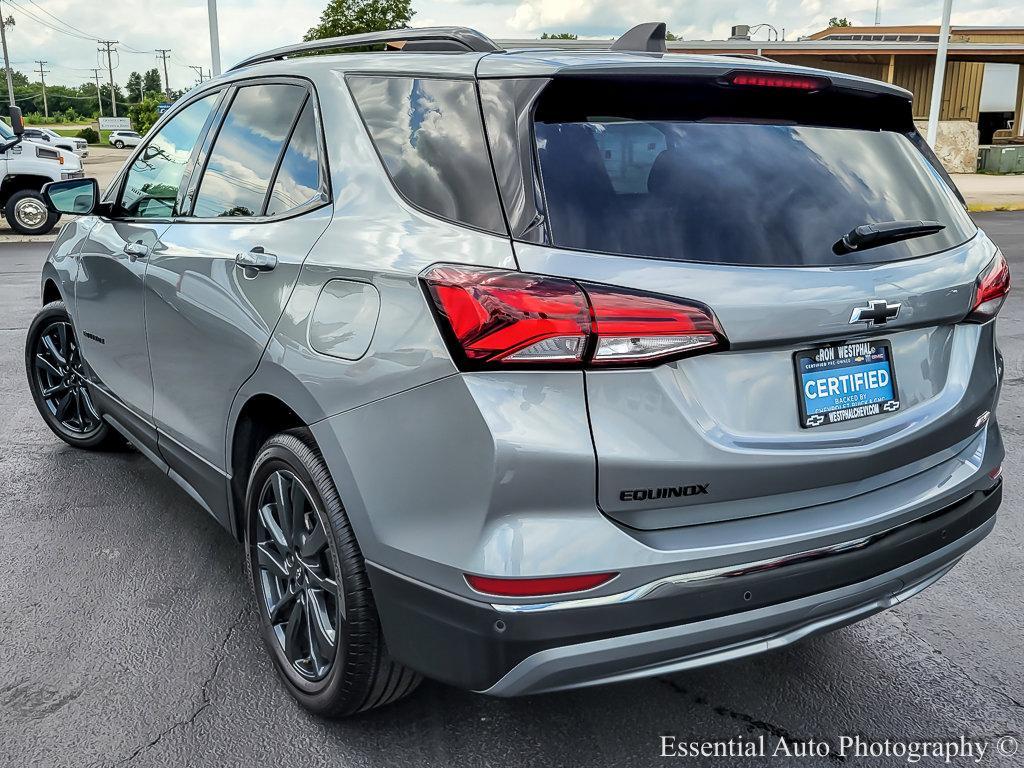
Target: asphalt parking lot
column 128, row 635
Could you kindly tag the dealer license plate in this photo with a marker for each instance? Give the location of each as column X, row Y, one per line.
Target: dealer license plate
column 845, row 381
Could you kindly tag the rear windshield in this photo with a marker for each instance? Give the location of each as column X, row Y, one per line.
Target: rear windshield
column 737, row 191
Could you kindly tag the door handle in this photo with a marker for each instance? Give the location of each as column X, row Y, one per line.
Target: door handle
column 137, row 250
column 256, row 259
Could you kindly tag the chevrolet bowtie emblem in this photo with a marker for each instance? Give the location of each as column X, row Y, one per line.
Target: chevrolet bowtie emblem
column 878, row 311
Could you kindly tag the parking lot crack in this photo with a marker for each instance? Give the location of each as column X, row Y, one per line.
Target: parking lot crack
column 776, row 731
column 952, row 664
column 206, row 700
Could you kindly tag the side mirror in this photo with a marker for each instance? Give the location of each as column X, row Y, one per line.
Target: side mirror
column 17, row 121
column 77, row 196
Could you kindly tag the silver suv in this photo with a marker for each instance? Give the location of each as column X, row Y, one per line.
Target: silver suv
column 531, row 370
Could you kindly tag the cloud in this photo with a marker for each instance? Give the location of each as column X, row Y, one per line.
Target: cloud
column 247, row 26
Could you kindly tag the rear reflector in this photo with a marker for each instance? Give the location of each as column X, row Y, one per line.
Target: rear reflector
column 494, row 318
column 774, row 80
column 990, row 291
column 556, row 585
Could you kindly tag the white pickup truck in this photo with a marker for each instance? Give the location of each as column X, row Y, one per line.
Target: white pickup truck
column 48, row 136
column 25, row 167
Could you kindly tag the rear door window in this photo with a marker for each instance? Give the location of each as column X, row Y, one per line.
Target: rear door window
column 298, row 179
column 247, row 149
column 723, row 190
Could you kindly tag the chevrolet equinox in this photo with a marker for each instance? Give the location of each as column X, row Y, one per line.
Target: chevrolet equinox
column 538, row 369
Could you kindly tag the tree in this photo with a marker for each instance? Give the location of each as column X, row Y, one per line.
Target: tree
column 135, row 86
column 352, row 17
column 559, row 36
column 670, row 37
column 835, row 21
column 151, row 82
column 144, row 114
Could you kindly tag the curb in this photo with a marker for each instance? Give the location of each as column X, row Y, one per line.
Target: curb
column 990, row 207
column 48, row 238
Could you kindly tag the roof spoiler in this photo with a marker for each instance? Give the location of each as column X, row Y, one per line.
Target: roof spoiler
column 447, row 39
column 648, row 37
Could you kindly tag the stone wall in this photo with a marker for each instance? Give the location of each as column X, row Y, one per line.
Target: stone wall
column 956, row 144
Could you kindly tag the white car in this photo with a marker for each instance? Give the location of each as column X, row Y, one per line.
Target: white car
column 122, row 139
column 47, row 136
column 25, row 166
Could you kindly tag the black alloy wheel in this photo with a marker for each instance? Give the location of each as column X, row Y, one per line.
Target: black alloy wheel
column 296, row 573
column 57, row 378
column 60, row 379
column 317, row 614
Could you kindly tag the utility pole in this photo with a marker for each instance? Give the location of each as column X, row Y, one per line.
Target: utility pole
column 199, row 70
column 214, row 36
column 878, row 12
column 42, row 79
column 939, row 77
column 163, row 53
column 7, row 60
column 108, row 48
column 99, row 96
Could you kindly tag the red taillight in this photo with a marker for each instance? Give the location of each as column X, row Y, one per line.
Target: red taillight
column 990, row 291
column 634, row 328
column 555, row 585
column 512, row 317
column 495, row 318
column 774, row 80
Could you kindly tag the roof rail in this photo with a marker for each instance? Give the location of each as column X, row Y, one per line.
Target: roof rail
column 649, row 37
column 419, row 39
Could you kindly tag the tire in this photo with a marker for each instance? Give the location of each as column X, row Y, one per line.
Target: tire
column 69, row 412
column 359, row 674
column 26, row 213
column 119, row 144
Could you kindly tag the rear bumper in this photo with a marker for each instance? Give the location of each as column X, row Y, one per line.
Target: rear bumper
column 676, row 626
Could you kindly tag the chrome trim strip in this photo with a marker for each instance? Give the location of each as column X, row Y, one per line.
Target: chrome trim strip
column 725, row 572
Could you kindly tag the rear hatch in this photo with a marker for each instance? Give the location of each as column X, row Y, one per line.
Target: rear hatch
column 735, row 194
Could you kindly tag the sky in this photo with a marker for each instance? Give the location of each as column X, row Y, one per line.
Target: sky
column 248, row 26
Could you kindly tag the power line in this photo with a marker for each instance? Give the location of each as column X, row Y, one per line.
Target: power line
column 61, row 21
column 67, row 29
column 43, row 22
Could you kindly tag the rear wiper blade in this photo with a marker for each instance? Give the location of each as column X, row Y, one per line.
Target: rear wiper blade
column 874, row 235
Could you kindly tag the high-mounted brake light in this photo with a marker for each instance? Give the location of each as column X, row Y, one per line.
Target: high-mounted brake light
column 555, row 585
column 774, row 80
column 990, row 291
column 494, row 318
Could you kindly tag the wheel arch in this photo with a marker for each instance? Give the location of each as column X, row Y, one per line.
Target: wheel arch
column 51, row 292
column 19, row 181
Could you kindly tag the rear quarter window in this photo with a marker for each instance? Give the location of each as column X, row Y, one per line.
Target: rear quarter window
column 429, row 134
